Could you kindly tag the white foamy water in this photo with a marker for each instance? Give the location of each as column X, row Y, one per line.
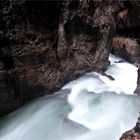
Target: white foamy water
column 93, row 107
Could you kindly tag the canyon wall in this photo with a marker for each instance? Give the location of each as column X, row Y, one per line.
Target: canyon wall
column 45, row 44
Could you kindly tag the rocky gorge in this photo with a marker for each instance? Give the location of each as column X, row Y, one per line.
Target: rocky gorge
column 45, row 44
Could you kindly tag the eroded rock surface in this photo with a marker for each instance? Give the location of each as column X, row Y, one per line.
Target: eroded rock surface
column 49, row 43
column 46, row 44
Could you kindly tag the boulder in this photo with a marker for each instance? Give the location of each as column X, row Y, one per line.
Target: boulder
column 127, row 48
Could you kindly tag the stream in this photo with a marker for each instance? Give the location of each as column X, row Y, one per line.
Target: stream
column 92, row 107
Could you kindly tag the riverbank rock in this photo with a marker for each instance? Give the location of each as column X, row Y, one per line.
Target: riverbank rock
column 46, row 44
column 127, row 48
column 133, row 134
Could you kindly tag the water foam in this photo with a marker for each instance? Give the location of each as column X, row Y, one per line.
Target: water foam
column 91, row 107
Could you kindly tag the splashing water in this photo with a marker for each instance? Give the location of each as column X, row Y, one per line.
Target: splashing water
column 93, row 107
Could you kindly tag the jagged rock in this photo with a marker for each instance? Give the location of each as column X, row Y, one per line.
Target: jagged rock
column 49, row 43
column 45, row 44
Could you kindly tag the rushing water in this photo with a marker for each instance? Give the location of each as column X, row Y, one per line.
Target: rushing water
column 92, row 107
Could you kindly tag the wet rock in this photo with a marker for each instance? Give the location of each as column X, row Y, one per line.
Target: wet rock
column 127, row 48
column 133, row 134
column 47, row 44
column 130, row 135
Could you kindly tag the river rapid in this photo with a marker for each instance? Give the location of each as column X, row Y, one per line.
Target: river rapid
column 92, row 107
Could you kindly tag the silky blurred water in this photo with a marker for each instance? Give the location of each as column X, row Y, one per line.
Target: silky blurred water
column 92, row 107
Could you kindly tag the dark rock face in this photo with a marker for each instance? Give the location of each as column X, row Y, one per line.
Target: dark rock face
column 128, row 20
column 46, row 44
column 27, row 44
